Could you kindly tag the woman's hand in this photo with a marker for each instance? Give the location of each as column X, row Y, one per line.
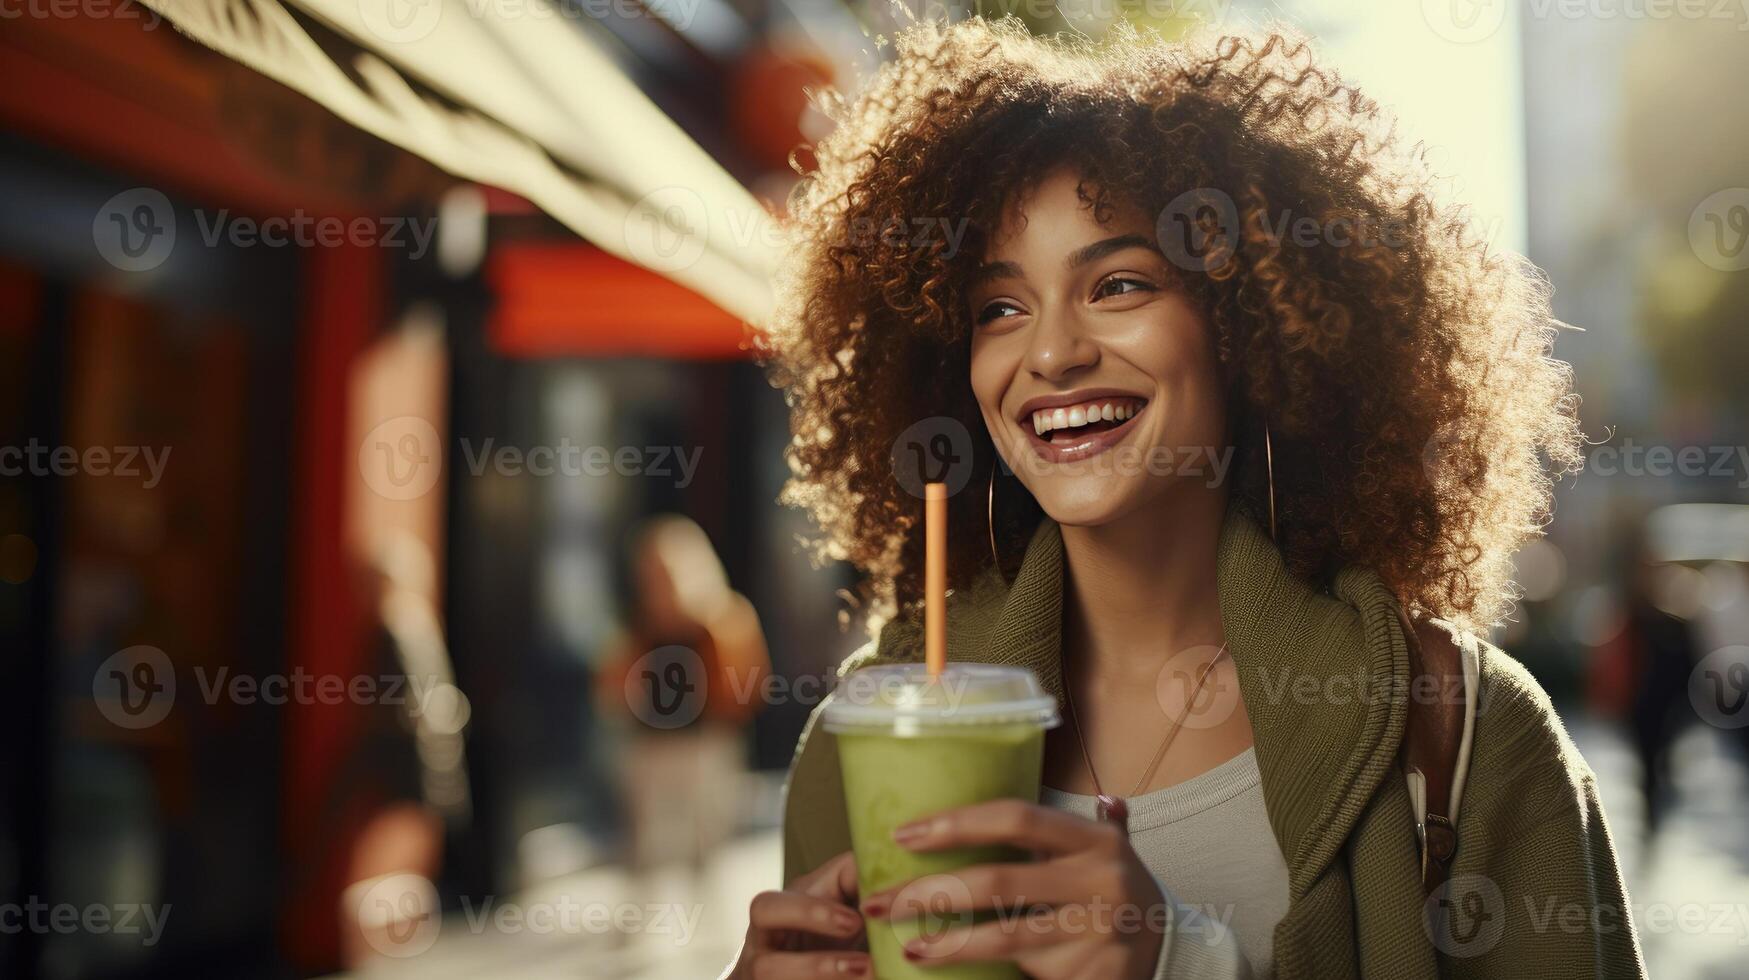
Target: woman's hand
column 1088, row 907
column 810, row 929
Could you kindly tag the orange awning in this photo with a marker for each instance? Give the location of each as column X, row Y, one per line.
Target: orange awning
column 563, row 299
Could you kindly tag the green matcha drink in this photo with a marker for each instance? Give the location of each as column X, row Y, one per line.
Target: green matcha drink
column 910, row 746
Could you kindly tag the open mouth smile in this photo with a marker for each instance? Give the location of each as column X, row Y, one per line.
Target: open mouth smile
column 1078, row 425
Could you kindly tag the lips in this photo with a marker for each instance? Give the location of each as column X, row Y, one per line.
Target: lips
column 1076, row 425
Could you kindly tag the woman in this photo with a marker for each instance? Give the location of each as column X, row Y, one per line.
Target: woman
column 691, row 649
column 1252, row 392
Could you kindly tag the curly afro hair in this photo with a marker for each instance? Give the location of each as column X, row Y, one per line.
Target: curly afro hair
column 1401, row 367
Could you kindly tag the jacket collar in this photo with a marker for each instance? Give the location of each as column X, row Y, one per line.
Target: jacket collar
column 1324, row 675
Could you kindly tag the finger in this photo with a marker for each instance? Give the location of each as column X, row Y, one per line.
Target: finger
column 773, row 912
column 835, row 880
column 1004, row 887
column 1003, row 938
column 1012, row 822
column 810, row 966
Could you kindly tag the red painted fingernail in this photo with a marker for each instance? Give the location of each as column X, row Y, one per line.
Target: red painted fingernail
column 913, row 951
column 875, row 907
column 910, row 833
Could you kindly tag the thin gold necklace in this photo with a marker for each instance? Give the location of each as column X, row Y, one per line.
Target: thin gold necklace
column 1114, row 809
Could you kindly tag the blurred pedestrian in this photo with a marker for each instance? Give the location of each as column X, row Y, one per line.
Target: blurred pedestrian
column 1659, row 652
column 686, row 673
column 402, row 788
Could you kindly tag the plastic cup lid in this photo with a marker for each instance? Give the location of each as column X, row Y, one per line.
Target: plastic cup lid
column 904, row 697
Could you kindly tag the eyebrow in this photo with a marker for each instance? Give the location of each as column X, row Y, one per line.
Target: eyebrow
column 1099, row 250
column 1080, row 257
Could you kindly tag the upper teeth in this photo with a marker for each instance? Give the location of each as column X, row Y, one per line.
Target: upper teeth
column 1045, row 420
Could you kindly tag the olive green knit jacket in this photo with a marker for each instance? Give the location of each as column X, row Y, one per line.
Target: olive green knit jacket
column 1535, row 891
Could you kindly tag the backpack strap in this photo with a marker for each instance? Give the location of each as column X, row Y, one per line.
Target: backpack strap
column 1444, row 673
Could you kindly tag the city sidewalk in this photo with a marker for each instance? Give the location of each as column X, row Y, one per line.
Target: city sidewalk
column 1688, row 888
column 670, row 925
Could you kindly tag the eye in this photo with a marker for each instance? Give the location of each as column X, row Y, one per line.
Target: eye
column 994, row 311
column 1119, row 285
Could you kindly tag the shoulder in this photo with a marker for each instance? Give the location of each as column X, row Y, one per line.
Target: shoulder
column 1533, row 842
column 1512, row 706
column 1522, row 755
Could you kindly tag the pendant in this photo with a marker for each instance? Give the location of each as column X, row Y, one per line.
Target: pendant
column 1112, row 809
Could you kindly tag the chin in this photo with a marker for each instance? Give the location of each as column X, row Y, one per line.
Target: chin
column 1088, row 501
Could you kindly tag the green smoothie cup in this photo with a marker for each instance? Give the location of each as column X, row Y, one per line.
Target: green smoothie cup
column 911, row 745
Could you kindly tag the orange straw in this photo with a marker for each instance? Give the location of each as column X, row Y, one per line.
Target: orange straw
column 935, row 576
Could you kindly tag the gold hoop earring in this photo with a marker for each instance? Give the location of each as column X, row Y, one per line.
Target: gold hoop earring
column 1269, row 470
column 990, row 517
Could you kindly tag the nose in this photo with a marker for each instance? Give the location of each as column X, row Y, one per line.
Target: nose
column 1060, row 347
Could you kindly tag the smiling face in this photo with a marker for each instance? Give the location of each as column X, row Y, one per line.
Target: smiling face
column 1096, row 377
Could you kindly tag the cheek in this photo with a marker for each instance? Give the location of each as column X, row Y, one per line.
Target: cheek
column 1179, row 355
column 1202, row 411
column 1189, row 366
column 991, row 370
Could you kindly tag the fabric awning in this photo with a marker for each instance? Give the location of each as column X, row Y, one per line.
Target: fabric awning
column 515, row 95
